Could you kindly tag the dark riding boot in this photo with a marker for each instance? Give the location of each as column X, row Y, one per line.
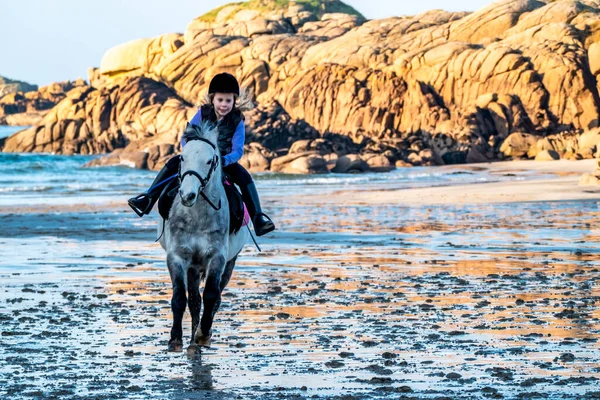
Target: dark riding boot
column 143, row 203
column 262, row 223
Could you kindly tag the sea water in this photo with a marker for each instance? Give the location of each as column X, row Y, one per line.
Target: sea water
column 33, row 178
column 25, row 177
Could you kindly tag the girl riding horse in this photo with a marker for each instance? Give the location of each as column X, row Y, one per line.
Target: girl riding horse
column 224, row 109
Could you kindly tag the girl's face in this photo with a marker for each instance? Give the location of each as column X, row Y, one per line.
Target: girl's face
column 223, row 103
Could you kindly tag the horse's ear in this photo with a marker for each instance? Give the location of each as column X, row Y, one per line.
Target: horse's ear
column 210, row 131
column 189, row 132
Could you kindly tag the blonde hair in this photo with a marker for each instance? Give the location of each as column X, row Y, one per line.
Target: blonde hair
column 243, row 102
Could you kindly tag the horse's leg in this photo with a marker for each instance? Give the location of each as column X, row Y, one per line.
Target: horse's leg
column 225, row 279
column 194, row 298
column 178, row 302
column 227, row 273
column 211, row 295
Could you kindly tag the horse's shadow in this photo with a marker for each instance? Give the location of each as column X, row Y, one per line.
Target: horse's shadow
column 196, row 383
column 201, row 378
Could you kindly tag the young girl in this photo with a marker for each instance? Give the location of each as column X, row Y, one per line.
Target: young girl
column 221, row 109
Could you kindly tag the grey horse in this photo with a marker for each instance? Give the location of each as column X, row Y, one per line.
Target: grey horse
column 196, row 237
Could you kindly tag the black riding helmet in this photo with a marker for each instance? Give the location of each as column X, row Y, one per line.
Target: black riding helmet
column 224, row 83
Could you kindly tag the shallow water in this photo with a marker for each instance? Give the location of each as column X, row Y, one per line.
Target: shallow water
column 35, row 179
column 474, row 301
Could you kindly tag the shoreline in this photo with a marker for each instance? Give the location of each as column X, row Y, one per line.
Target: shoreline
column 563, row 185
column 531, row 181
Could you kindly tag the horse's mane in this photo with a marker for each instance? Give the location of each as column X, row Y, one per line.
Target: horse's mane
column 206, row 130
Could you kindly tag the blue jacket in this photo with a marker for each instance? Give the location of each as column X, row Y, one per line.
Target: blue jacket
column 237, row 142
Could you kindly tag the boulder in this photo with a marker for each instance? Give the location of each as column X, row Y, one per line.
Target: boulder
column 427, row 155
column 136, row 57
column 403, row 164
column 589, row 140
column 256, row 158
column 541, row 145
column 585, row 153
column 136, row 159
column 350, row 163
column 547, row 155
column 311, row 164
column 380, row 163
column 594, row 57
column 475, row 156
column 126, row 57
column 455, row 157
column 331, row 160
column 589, row 180
column 330, row 25
column 415, row 159
column 109, row 160
column 518, row 144
column 300, row 146
column 279, row 164
column 321, row 145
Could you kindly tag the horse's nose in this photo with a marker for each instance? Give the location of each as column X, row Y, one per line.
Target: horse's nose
column 189, row 198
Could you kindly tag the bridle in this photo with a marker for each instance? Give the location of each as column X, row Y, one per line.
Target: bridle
column 214, row 163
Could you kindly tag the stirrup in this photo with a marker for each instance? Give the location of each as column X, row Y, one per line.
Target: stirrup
column 264, row 230
column 135, row 208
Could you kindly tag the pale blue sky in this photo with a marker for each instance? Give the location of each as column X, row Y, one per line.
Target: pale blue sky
column 46, row 41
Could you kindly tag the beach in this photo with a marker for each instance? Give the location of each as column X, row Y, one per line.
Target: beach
column 433, row 175
column 531, row 183
column 470, row 281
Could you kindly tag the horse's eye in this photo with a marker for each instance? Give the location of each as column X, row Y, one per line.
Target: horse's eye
column 208, row 162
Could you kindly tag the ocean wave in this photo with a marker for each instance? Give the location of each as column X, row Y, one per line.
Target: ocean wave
column 12, row 189
column 369, row 178
column 51, row 159
column 313, row 181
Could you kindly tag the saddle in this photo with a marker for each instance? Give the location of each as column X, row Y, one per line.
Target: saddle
column 238, row 215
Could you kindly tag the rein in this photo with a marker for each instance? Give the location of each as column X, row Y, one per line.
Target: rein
column 203, row 181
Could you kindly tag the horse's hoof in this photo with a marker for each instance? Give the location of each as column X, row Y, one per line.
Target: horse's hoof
column 204, row 341
column 175, row 346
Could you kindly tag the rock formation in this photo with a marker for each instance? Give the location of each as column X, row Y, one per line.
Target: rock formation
column 516, row 79
column 27, row 105
column 8, row 86
column 11, row 92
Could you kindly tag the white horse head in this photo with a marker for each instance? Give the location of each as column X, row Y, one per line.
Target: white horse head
column 200, row 162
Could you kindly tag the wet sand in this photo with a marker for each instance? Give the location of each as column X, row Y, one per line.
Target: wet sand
column 350, row 299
